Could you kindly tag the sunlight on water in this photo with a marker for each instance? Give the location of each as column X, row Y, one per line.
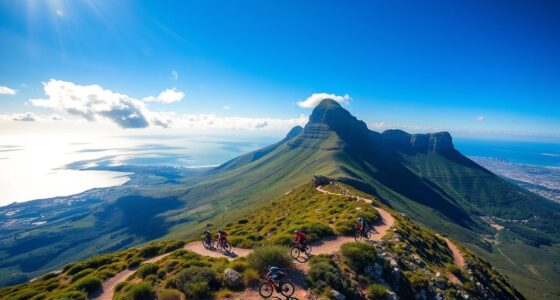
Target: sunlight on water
column 43, row 166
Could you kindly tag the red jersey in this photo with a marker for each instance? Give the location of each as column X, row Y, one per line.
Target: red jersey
column 300, row 236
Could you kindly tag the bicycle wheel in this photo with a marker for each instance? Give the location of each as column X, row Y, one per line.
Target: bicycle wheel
column 287, row 289
column 368, row 234
column 226, row 247
column 266, row 289
column 307, row 250
column 295, row 252
column 207, row 244
column 358, row 236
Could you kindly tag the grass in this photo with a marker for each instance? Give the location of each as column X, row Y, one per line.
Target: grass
column 304, row 209
column 85, row 276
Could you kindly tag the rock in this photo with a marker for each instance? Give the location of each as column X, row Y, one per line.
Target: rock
column 438, row 274
column 337, row 295
column 232, row 278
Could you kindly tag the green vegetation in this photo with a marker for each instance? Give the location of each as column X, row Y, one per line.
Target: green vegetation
column 324, row 275
column 440, row 189
column 267, row 256
column 358, row 255
column 305, row 209
column 376, row 291
column 82, row 278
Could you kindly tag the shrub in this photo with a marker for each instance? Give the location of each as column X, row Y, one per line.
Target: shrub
column 345, row 227
column 120, row 286
column 314, row 231
column 72, row 295
column 49, row 276
column 376, row 291
column 134, row 262
column 152, row 279
column 239, row 265
column 172, row 246
column 243, row 221
column 81, row 274
column 417, row 280
column 88, row 284
column 190, row 278
column 283, row 239
column 170, row 294
column 150, row 251
column 75, row 268
column 198, row 290
column 140, row 291
column 97, row 261
column 358, row 255
column 323, row 274
column 25, row 294
column 161, row 274
column 224, row 294
column 266, row 256
column 147, row 269
column 251, row 278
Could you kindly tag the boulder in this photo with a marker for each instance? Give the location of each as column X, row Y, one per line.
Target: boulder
column 232, row 278
column 337, row 295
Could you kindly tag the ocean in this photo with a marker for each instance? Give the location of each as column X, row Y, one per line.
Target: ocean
column 529, row 153
column 37, row 167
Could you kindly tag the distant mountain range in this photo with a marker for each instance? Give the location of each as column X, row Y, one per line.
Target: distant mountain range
column 420, row 175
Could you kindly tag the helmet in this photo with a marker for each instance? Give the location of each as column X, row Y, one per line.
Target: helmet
column 296, row 231
column 360, row 219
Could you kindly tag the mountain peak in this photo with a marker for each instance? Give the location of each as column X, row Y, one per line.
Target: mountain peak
column 330, row 113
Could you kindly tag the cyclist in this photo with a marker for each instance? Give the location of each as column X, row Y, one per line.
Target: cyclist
column 300, row 238
column 275, row 274
column 222, row 236
column 207, row 236
column 363, row 226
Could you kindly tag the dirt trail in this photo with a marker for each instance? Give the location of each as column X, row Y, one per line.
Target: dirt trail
column 108, row 287
column 197, row 247
column 297, row 276
column 458, row 258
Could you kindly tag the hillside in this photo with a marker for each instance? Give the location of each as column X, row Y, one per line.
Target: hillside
column 403, row 259
column 420, row 175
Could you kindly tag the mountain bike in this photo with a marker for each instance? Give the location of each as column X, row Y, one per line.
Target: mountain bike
column 358, row 236
column 223, row 246
column 296, row 251
column 268, row 286
column 207, row 243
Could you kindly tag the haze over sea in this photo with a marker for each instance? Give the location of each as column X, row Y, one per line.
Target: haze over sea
column 34, row 167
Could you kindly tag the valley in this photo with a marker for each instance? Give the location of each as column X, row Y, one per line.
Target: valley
column 420, row 178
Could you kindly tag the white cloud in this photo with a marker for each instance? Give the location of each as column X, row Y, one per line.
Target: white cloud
column 174, row 75
column 93, row 102
column 212, row 121
column 316, row 98
column 481, row 118
column 26, row 117
column 167, row 96
column 4, row 90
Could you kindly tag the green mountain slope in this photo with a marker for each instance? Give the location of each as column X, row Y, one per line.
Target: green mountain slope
column 420, row 175
column 406, row 260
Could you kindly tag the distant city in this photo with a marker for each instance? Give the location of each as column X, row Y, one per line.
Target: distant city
column 542, row 180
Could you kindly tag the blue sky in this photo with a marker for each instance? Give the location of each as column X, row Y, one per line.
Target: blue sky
column 476, row 68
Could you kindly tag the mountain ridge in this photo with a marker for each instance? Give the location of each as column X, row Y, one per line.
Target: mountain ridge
column 420, row 175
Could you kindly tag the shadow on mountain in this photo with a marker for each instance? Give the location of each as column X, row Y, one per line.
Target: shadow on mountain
column 138, row 215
